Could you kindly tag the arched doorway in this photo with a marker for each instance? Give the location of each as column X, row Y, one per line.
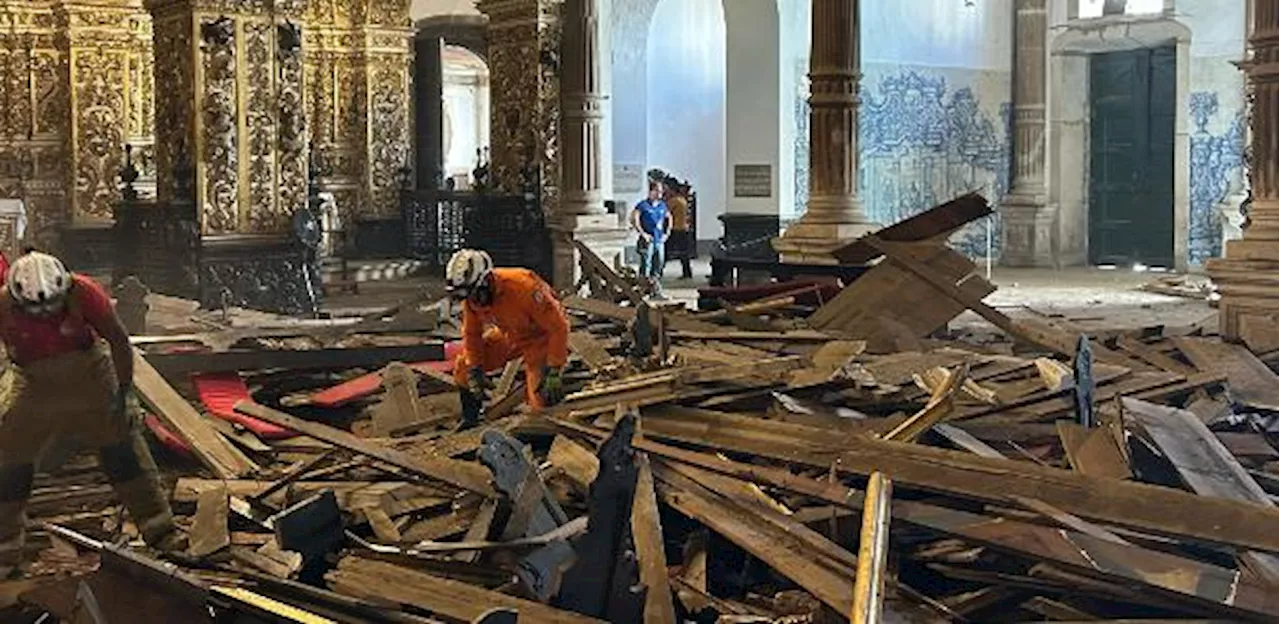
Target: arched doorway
column 465, row 113
column 449, row 48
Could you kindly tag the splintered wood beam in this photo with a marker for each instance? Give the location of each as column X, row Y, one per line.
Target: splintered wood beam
column 938, row 407
column 646, row 531
column 466, row 475
column 456, row 600
column 1204, row 587
column 1140, row 506
column 1052, row 339
column 771, row 544
column 873, row 550
column 210, row 447
column 1203, row 462
column 1249, row 381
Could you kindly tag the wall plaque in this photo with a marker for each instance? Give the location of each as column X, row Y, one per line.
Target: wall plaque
column 628, row 179
column 752, row 181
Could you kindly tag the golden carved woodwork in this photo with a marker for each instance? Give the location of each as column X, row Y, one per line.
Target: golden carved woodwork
column 525, row 100
column 357, row 67
column 233, row 71
column 74, row 87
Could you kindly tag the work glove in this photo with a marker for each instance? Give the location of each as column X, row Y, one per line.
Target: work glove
column 477, row 381
column 120, row 401
column 552, row 388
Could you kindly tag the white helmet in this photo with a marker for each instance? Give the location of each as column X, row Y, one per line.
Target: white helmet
column 466, row 269
column 38, row 282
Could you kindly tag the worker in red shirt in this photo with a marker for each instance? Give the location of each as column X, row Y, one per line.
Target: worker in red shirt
column 506, row 313
column 71, row 377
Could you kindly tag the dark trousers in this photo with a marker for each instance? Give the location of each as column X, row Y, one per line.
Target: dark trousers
column 680, row 246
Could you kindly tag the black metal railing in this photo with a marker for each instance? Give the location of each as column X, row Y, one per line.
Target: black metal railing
column 512, row 228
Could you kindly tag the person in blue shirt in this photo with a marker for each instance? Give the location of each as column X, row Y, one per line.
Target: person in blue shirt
column 652, row 220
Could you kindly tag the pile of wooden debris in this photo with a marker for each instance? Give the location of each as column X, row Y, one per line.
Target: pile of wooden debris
column 789, row 458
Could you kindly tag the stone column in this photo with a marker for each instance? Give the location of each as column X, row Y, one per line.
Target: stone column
column 582, row 213
column 232, row 104
column 834, row 215
column 1027, row 213
column 1246, row 276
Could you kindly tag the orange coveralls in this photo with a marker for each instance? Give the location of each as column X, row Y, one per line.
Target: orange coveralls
column 524, row 319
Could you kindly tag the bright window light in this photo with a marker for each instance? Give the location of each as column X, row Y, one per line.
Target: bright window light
column 1093, row 8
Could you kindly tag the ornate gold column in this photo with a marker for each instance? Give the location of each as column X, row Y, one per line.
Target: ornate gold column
column 34, row 116
column 102, row 42
column 524, row 60
column 834, row 215
column 232, row 104
column 1028, row 217
column 358, row 63
column 1248, row 276
column 75, row 87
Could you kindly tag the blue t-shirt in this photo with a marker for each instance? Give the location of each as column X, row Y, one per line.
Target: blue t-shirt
column 652, row 214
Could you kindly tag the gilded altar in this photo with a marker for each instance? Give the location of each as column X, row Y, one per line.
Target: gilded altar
column 358, row 68
column 76, row 85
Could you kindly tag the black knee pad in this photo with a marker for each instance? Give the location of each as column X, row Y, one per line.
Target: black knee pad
column 120, row 462
column 15, row 482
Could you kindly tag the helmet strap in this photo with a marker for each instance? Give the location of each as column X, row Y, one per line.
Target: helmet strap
column 482, row 293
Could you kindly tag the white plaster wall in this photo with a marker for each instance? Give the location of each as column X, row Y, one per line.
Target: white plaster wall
column 938, row 33
column 753, row 115
column 628, row 36
column 685, row 115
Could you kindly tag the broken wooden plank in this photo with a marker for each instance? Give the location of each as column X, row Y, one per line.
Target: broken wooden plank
column 1201, row 460
column 938, row 407
column 465, row 475
column 1053, row 339
column 365, row 578
column 399, row 407
column 1067, row 520
column 646, row 531
column 934, row 224
column 771, row 544
column 179, row 364
column 873, row 550
column 210, row 531
column 592, row 352
column 210, row 447
column 1249, row 381
column 1093, row 451
column 1202, row 585
column 578, row 463
column 1146, row 507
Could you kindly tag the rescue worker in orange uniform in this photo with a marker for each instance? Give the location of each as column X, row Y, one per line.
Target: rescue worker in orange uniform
column 71, row 377
column 506, row 313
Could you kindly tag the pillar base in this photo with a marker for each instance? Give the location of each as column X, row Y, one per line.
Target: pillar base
column 815, row 243
column 603, row 234
column 1028, row 239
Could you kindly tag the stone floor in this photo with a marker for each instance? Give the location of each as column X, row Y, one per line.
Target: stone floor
column 1091, row 298
column 1088, row 297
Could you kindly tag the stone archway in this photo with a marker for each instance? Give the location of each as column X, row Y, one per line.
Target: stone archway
column 467, row 32
column 1069, row 114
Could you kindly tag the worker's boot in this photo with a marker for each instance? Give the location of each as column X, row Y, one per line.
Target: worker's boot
column 15, row 489
column 133, row 474
column 472, row 409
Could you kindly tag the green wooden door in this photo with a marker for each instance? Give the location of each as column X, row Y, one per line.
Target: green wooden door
column 1131, row 157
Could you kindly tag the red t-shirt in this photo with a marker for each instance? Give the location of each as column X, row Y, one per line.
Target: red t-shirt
column 31, row 338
